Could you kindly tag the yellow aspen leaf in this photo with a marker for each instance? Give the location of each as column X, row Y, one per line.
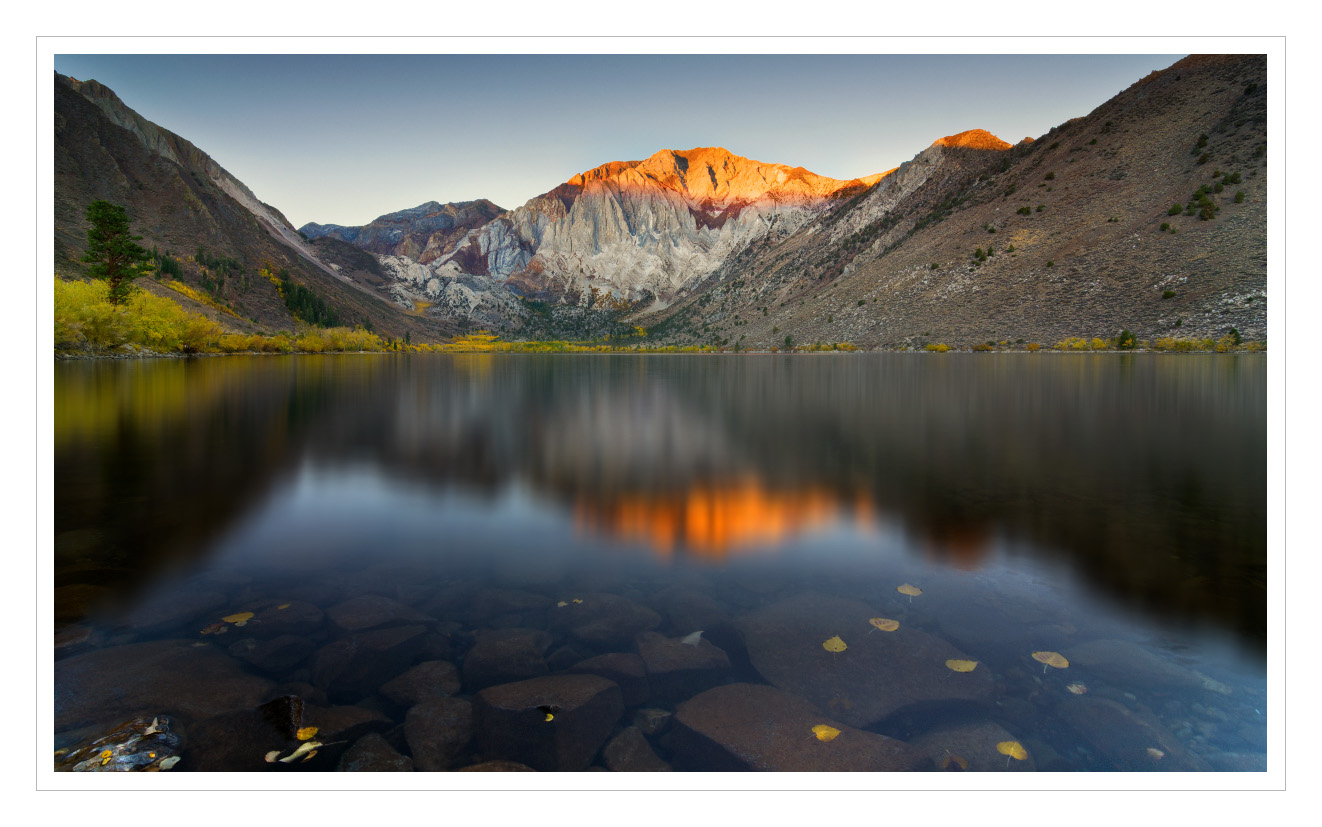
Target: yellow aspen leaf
column 305, row 733
column 1077, row 689
column 562, row 604
column 308, row 757
column 282, row 606
column 272, row 755
column 824, row 732
column 578, row 600
column 884, row 624
column 310, row 746
column 912, row 591
column 241, row 617
column 835, row 644
column 1014, row 749
column 954, row 763
column 106, row 755
column 1055, row 659
column 961, row 665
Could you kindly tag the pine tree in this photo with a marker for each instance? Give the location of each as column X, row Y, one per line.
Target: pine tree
column 112, row 252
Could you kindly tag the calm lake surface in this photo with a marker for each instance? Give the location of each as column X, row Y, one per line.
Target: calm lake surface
column 450, row 560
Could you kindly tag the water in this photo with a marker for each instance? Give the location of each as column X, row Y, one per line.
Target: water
column 413, row 510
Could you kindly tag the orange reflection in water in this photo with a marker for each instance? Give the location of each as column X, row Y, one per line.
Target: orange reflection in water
column 715, row 520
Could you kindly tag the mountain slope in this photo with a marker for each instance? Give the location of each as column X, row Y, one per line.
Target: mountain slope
column 896, row 267
column 422, row 233
column 210, row 223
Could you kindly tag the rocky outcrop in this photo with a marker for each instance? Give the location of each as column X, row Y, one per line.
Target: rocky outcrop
column 423, row 233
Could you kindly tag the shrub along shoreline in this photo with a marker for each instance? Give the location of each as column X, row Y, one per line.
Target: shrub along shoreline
column 88, row 326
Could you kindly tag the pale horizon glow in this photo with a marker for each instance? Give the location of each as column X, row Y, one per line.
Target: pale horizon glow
column 343, row 139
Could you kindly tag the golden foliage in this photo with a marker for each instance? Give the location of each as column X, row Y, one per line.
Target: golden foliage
column 884, row 624
column 835, row 644
column 1055, row 659
column 825, row 733
column 1014, row 749
column 956, row 665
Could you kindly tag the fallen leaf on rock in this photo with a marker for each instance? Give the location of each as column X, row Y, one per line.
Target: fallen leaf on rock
column 305, row 733
column 835, row 644
column 961, row 665
column 310, row 746
column 1014, row 749
column 270, row 756
column 954, row 763
column 824, row 732
column 549, row 710
column 106, row 756
column 167, row 763
column 884, row 624
column 1055, row 659
column 241, row 617
column 693, row 639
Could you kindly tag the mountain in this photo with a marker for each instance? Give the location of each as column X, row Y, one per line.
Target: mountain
column 1073, row 221
column 189, row 208
column 625, row 233
column 422, row 233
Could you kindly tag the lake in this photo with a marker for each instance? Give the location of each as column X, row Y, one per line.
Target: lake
column 962, row 562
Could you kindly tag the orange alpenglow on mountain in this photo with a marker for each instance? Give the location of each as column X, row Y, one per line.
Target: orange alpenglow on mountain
column 973, row 139
column 717, row 176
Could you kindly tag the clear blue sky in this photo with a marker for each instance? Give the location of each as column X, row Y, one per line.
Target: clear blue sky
column 341, row 139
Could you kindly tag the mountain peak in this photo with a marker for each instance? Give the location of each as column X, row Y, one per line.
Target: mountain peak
column 973, row 139
column 714, row 174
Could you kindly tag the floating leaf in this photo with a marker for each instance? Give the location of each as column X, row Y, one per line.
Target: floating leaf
column 693, row 639
column 962, row 665
column 241, row 623
column 216, row 629
column 310, row 746
column 912, row 591
column 1055, row 659
column 241, row 617
column 884, row 624
column 282, row 607
column 954, row 763
column 1077, row 689
column 835, row 644
column 270, row 756
column 562, row 604
column 825, row 733
column 1014, row 749
column 578, row 600
column 167, row 763
column 1156, row 754
column 305, row 733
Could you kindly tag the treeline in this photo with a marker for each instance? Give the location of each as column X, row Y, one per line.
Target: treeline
column 305, row 305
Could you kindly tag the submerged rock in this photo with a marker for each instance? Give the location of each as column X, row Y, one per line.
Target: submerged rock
column 1131, row 740
column 603, row 619
column 167, row 677
column 677, row 670
column 1130, row 666
column 878, row 673
column 974, row 745
column 372, row 753
column 624, row 668
column 630, row 752
column 513, row 720
column 746, row 726
column 438, row 731
column 144, row 744
column 371, row 611
column 357, row 665
column 427, row 681
column 504, row 656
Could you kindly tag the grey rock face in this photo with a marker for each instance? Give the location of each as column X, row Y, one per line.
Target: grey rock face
column 513, row 725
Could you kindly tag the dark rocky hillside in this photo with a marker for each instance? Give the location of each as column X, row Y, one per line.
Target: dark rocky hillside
column 182, row 203
column 1082, row 207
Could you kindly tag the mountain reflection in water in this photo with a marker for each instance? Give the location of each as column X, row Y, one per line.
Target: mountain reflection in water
column 1144, row 474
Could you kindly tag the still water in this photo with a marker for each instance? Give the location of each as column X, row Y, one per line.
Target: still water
column 442, row 562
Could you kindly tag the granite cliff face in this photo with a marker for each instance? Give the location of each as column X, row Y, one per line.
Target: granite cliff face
column 621, row 234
